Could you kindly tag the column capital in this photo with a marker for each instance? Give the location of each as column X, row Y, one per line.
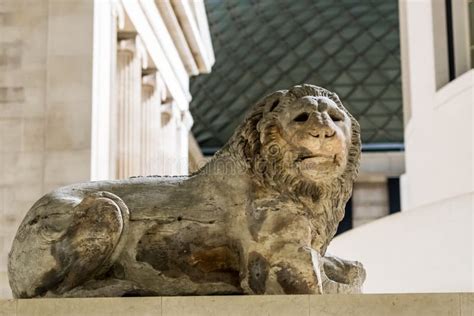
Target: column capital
column 169, row 112
column 187, row 120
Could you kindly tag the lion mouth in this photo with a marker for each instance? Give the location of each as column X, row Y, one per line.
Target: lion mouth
column 318, row 157
column 313, row 160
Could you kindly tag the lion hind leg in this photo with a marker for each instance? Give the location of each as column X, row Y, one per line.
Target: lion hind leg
column 104, row 288
column 93, row 241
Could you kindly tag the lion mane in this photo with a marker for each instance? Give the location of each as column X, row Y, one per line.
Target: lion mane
column 259, row 147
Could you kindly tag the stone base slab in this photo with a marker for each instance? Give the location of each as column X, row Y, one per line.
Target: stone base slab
column 461, row 304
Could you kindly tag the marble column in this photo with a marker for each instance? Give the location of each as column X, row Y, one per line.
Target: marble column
column 103, row 154
column 182, row 149
column 147, row 100
column 150, row 124
column 155, row 142
column 183, row 133
column 128, row 109
column 168, row 155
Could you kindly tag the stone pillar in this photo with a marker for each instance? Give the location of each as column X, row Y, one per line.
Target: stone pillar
column 147, row 99
column 135, row 114
column 103, row 154
column 155, row 142
column 184, row 126
column 168, row 156
column 161, row 117
column 153, row 138
column 150, row 124
column 128, row 108
column 164, row 137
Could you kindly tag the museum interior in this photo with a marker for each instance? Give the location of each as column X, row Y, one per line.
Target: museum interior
column 101, row 90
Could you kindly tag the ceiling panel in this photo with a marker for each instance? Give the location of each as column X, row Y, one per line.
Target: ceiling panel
column 347, row 46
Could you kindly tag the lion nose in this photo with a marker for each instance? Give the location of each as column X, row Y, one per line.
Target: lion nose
column 323, row 132
column 320, row 128
column 322, row 105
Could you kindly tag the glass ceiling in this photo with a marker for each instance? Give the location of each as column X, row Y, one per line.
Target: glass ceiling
column 347, row 46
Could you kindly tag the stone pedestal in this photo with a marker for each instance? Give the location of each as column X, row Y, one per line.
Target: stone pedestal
column 363, row 305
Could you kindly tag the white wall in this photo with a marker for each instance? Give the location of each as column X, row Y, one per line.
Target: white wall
column 439, row 135
column 428, row 247
column 439, row 145
column 424, row 251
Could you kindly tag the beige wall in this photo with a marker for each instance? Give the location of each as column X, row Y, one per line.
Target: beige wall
column 369, row 201
column 45, row 105
column 370, row 198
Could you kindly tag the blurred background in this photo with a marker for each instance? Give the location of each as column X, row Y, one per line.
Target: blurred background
column 108, row 89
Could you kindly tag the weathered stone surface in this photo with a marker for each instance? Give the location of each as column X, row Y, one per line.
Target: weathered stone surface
column 7, row 307
column 249, row 305
column 257, row 219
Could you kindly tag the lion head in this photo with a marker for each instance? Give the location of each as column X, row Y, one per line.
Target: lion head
column 304, row 143
column 299, row 138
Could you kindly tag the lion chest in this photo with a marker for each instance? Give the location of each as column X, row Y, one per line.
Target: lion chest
column 278, row 220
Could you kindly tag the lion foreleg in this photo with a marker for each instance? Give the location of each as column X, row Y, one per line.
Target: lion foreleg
column 342, row 276
column 294, row 271
column 288, row 270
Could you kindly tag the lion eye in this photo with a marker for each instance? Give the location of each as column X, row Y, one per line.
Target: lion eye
column 336, row 117
column 303, row 117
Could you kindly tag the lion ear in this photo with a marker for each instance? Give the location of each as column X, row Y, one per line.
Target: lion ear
column 272, row 101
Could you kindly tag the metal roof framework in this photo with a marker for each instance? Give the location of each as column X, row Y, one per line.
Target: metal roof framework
column 347, row 46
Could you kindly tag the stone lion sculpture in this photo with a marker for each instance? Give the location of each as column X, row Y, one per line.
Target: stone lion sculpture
column 256, row 219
